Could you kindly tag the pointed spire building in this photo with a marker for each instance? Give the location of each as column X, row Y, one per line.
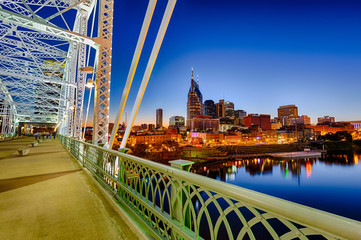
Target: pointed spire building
column 195, row 100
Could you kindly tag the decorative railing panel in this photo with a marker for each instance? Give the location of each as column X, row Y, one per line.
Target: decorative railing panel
column 181, row 205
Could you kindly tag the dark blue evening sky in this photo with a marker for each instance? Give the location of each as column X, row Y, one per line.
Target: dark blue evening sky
column 257, row 54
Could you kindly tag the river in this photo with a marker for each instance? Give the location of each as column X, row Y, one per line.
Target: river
column 332, row 184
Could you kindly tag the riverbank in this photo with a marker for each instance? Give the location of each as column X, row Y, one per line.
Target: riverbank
column 204, row 154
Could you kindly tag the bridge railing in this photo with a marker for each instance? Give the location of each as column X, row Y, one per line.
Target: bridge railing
column 177, row 204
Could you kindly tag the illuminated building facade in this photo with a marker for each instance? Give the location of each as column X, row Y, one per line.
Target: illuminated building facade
column 304, row 120
column 175, row 122
column 325, row 119
column 229, row 109
column 262, row 120
column 356, row 125
column 195, row 101
column 286, row 112
column 203, row 123
column 333, row 127
column 154, row 138
column 225, row 124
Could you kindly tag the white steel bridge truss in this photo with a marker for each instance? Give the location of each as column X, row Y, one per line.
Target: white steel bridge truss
column 45, row 53
column 44, row 47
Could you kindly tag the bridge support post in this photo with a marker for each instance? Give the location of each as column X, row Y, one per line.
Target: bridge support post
column 179, row 195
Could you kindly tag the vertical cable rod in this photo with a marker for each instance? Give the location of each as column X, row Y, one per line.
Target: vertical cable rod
column 153, row 57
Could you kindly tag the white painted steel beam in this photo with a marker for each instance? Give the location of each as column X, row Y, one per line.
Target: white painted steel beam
column 102, row 82
column 33, row 24
column 133, row 67
column 153, row 56
column 52, row 79
column 32, row 96
column 81, row 77
column 42, row 47
column 37, row 119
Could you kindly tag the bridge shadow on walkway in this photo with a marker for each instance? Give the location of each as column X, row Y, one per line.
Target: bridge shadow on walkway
column 46, row 195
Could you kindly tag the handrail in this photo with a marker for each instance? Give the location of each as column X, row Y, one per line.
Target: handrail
column 170, row 196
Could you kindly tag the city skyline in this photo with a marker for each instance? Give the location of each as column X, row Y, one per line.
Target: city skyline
column 258, row 55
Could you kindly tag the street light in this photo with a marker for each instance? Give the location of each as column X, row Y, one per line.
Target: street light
column 89, row 84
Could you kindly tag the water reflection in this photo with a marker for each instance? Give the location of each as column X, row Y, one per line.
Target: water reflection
column 356, row 158
column 308, row 169
column 326, row 183
column 261, row 166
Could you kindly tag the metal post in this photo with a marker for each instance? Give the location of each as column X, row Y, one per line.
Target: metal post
column 158, row 42
column 179, row 196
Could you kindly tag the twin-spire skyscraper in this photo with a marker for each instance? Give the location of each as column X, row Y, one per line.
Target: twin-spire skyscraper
column 195, row 100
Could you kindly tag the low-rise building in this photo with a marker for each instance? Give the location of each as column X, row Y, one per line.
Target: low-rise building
column 325, row 119
column 176, row 122
column 149, row 138
column 335, row 127
column 225, row 124
column 262, row 120
column 303, row 120
column 207, row 137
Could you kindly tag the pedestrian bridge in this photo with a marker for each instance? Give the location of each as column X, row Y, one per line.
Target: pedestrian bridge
column 69, row 189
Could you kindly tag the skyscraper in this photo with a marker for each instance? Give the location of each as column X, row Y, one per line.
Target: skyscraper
column 195, row 100
column 229, row 109
column 159, row 118
column 286, row 112
column 220, row 109
column 209, row 108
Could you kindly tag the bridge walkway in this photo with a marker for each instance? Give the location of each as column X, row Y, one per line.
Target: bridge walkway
column 46, row 195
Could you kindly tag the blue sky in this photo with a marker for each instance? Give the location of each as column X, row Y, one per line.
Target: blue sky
column 257, row 54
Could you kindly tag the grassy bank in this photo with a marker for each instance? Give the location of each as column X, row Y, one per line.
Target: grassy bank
column 269, row 148
column 222, row 152
column 338, row 146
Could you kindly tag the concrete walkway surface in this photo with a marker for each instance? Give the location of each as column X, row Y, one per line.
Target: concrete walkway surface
column 46, row 195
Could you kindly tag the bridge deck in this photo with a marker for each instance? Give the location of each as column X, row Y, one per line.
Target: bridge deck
column 46, row 195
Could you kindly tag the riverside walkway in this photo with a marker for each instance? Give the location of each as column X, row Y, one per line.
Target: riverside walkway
column 46, row 195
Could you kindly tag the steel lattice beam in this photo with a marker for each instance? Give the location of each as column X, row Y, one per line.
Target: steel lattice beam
column 81, row 78
column 44, row 27
column 102, row 87
column 41, row 53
